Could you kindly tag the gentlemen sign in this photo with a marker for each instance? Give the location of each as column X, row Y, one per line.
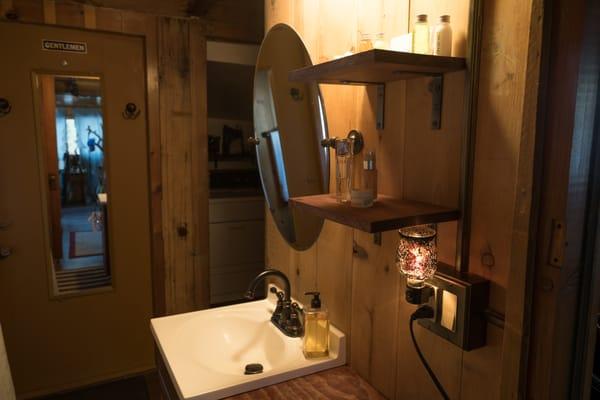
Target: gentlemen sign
column 65, row 47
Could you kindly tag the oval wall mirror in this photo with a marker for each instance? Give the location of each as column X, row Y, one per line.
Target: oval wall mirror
column 289, row 124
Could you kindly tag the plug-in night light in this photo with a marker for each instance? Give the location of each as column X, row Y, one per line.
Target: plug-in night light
column 416, row 257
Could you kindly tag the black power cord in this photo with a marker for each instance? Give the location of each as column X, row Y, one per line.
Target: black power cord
column 421, row 313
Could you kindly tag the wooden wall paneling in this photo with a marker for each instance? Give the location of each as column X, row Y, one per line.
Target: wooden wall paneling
column 327, row 33
column 305, row 19
column 5, row 6
column 375, row 298
column 406, row 136
column 176, row 125
column 509, row 76
column 278, row 254
column 431, row 162
column 49, row 11
column 277, row 11
column 445, row 359
column 334, row 273
column 28, row 10
column 112, row 20
column 69, row 14
column 432, row 157
column 303, row 272
column 234, row 20
column 480, row 368
column 389, row 144
column 497, row 141
column 89, row 16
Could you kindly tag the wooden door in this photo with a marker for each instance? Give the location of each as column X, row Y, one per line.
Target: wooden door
column 565, row 288
column 55, row 343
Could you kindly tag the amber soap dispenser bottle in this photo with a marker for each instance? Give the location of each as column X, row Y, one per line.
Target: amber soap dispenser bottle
column 316, row 329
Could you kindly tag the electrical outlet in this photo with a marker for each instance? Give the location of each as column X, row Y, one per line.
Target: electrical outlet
column 459, row 302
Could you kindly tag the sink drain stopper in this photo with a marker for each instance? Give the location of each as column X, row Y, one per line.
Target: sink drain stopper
column 252, row 369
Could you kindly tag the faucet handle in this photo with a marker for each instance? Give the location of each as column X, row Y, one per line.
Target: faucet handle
column 294, row 323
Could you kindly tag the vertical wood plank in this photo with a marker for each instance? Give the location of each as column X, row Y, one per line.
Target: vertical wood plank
column 375, row 297
column 29, row 10
column 303, row 271
column 112, row 20
column 89, row 16
column 49, row 11
column 334, row 273
column 520, row 282
column 480, row 367
column 69, row 14
column 445, row 359
column 278, row 254
column 5, row 6
column 176, row 139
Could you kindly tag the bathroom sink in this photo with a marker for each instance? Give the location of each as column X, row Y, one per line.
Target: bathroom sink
column 206, row 352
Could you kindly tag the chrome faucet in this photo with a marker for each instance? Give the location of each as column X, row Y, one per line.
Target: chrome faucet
column 286, row 316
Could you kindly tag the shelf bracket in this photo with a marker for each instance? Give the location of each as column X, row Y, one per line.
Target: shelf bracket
column 380, row 112
column 436, row 87
column 377, row 238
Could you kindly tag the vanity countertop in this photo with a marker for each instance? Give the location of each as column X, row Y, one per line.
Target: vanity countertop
column 332, row 384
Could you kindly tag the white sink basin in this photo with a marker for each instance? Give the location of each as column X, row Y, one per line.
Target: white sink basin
column 206, row 351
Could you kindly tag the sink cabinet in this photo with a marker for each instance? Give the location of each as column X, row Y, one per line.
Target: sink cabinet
column 237, row 245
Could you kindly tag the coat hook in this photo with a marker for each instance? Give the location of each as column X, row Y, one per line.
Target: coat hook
column 5, row 107
column 131, row 111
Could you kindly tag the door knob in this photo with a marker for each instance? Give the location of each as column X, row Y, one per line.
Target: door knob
column 4, row 225
column 5, row 252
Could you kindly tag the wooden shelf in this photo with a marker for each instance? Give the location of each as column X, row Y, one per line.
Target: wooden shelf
column 386, row 214
column 377, row 67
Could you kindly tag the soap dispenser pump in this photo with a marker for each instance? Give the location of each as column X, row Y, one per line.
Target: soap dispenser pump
column 316, row 328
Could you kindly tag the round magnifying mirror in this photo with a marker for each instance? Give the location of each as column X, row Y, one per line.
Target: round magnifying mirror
column 289, row 124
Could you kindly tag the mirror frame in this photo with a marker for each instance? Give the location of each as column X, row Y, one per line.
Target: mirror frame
column 270, row 150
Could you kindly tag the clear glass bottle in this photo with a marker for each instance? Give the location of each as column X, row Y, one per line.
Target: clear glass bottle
column 442, row 37
column 379, row 42
column 370, row 174
column 344, row 149
column 316, row 329
column 421, row 35
column 366, row 42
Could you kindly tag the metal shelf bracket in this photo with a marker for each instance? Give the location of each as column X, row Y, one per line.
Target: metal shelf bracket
column 380, row 112
column 436, row 87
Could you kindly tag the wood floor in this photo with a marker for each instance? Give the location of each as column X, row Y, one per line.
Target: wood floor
column 145, row 387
